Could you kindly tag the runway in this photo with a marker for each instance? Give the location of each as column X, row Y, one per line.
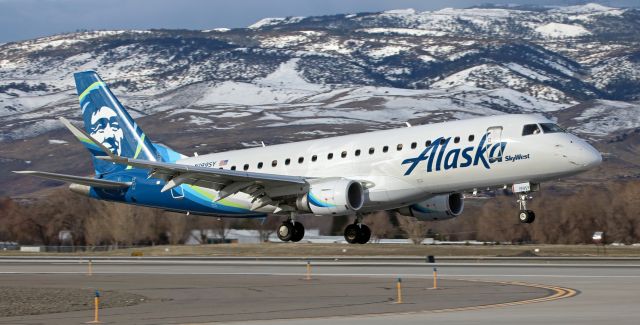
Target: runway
column 202, row 291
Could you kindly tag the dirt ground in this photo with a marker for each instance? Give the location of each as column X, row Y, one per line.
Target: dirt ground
column 18, row 301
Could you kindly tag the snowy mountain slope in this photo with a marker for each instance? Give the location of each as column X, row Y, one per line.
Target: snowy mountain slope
column 304, row 77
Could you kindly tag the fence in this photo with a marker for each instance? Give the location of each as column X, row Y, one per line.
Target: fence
column 66, row 249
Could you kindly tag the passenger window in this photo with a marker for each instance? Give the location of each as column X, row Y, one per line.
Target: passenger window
column 414, row 145
column 471, row 138
column 233, row 167
column 399, row 147
column 260, row 165
column 385, row 148
column 300, row 160
column 371, row 151
column 343, row 154
column 314, row 158
column 551, row 128
column 530, row 129
column 428, row 143
column 456, row 140
column 330, row 156
column 287, row 161
column 274, row 163
column 246, row 166
column 357, row 152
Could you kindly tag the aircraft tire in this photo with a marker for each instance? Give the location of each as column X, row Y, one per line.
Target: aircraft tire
column 364, row 234
column 526, row 216
column 532, row 216
column 352, row 233
column 298, row 232
column 285, row 231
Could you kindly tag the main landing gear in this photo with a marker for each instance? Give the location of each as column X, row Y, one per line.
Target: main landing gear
column 357, row 232
column 290, row 230
column 525, row 216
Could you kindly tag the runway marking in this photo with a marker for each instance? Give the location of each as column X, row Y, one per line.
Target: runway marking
column 558, row 293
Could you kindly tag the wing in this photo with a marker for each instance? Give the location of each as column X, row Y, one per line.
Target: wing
column 76, row 179
column 262, row 187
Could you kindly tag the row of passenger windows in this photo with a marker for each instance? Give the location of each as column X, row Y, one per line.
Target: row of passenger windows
column 344, row 154
column 527, row 130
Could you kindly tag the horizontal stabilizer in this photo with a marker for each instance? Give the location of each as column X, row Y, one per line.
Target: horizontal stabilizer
column 94, row 146
column 94, row 182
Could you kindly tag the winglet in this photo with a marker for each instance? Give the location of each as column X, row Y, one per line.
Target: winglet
column 97, row 148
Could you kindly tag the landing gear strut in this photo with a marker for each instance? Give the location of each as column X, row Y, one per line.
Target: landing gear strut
column 525, row 216
column 357, row 232
column 290, row 230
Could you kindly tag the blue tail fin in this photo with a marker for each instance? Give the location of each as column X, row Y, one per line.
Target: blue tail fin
column 107, row 121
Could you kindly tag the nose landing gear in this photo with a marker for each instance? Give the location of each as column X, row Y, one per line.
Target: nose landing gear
column 522, row 190
column 525, row 216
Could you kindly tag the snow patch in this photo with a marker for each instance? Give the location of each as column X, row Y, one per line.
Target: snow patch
column 607, row 117
column 401, row 31
column 275, row 21
column 589, row 8
column 383, row 52
column 220, row 29
column 557, row 30
column 408, row 11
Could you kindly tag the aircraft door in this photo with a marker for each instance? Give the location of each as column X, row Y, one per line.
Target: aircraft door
column 177, row 192
column 494, row 136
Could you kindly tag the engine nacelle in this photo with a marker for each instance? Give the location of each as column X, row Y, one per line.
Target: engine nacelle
column 335, row 196
column 436, row 208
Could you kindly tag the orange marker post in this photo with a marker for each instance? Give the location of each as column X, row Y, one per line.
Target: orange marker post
column 90, row 268
column 399, row 289
column 435, row 278
column 96, row 305
column 308, row 277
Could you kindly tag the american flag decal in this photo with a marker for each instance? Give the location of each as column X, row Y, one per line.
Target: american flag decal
column 223, row 162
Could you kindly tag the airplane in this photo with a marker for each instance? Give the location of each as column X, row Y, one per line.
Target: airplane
column 419, row 171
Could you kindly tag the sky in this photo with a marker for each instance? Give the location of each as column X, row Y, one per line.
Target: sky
column 27, row 19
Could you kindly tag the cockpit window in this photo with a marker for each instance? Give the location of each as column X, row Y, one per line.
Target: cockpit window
column 551, row 128
column 530, row 129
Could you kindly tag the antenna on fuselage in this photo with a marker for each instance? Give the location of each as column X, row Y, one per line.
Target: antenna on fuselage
column 408, row 124
column 263, row 145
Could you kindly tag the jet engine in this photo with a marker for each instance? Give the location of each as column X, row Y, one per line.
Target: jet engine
column 335, row 196
column 439, row 207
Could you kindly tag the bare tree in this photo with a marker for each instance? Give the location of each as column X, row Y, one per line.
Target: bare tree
column 414, row 229
column 265, row 227
column 380, row 225
column 221, row 228
column 176, row 227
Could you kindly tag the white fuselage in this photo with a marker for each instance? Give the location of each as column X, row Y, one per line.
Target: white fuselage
column 460, row 166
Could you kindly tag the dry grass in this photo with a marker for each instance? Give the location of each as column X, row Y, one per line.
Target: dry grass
column 303, row 250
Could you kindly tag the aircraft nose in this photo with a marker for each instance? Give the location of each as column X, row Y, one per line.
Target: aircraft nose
column 587, row 157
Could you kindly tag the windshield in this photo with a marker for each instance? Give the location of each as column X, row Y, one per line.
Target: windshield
column 551, row 128
column 530, row 129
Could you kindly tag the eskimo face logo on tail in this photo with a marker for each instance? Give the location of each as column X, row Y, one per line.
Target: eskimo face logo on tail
column 104, row 126
column 438, row 158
